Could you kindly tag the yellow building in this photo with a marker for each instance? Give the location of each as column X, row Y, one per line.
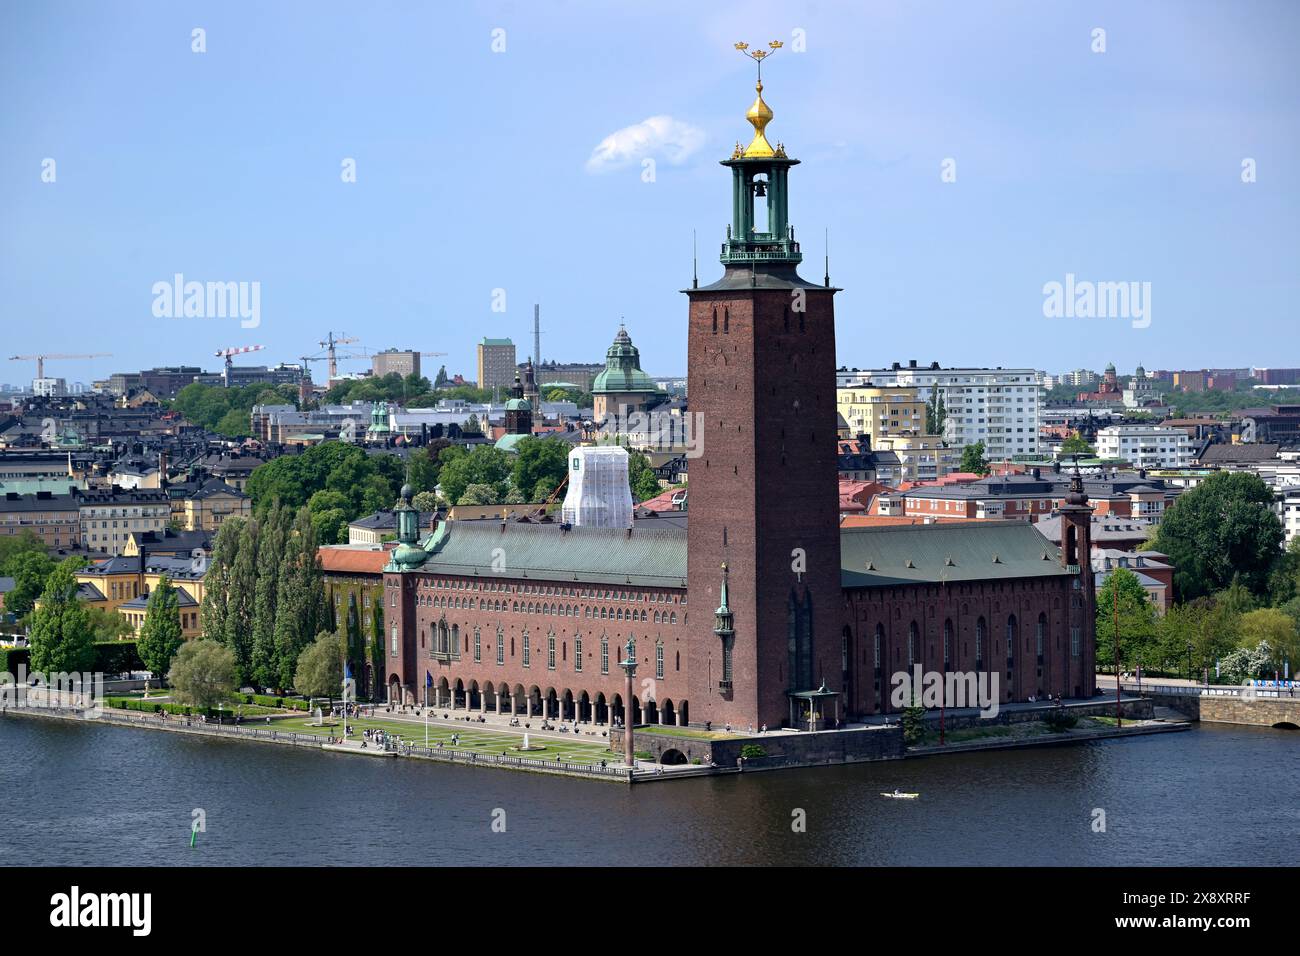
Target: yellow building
column 123, row 584
column 878, row 412
column 212, row 503
column 921, row 457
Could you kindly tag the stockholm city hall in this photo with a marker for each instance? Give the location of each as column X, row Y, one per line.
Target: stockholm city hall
column 795, row 621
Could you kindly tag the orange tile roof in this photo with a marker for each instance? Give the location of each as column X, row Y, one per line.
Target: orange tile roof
column 349, row 560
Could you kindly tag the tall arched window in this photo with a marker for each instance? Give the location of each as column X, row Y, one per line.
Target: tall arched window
column 1012, row 635
column 726, row 319
column 979, row 643
column 1042, row 630
column 947, row 643
column 911, row 644
column 880, row 638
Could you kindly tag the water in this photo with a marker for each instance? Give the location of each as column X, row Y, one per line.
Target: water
column 103, row 795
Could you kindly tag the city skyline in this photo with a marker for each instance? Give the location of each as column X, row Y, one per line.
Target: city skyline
column 217, row 166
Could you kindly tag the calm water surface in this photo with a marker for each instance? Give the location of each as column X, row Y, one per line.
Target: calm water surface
column 96, row 794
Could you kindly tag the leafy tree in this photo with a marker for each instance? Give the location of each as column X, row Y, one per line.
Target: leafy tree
column 1223, row 527
column 913, row 721
column 1137, row 623
column 61, row 633
column 30, row 570
column 241, row 597
column 480, row 494
column 1277, row 629
column 274, row 529
column 160, row 636
column 641, row 477
column 1077, row 445
column 320, row 667
column 11, row 546
column 422, row 468
column 425, row 501
column 484, row 465
column 108, row 625
column 203, row 674
column 471, row 426
column 539, row 462
column 1247, row 663
column 973, row 460
column 301, row 612
column 216, row 582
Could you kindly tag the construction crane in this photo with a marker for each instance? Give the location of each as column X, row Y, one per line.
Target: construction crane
column 554, row 496
column 227, row 353
column 329, row 344
column 40, row 359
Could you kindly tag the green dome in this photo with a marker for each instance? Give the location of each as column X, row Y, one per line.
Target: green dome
column 622, row 371
column 519, row 405
column 409, row 555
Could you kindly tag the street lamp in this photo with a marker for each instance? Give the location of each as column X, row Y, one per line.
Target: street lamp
column 629, row 666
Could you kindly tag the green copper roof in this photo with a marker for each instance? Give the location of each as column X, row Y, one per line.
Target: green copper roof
column 546, row 552
column 519, row 405
column 948, row 551
column 487, row 341
column 508, row 442
column 622, row 372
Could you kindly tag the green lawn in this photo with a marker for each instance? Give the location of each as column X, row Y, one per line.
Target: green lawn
column 472, row 739
column 668, row 731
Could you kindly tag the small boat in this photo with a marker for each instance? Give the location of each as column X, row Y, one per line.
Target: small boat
column 899, row 795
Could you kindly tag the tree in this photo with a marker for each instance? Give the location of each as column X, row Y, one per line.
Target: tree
column 485, row 465
column 1137, row 623
column 320, row 667
column 203, row 674
column 160, row 635
column 263, row 660
column 973, row 460
column 1275, row 628
column 11, row 546
column 217, row 581
column 301, row 612
column 641, row 477
column 1077, row 445
column 422, row 469
column 1223, row 527
column 61, row 634
column 425, row 501
column 30, row 570
column 108, row 625
column 241, row 601
column 1247, row 663
column 539, row 463
column 479, row 494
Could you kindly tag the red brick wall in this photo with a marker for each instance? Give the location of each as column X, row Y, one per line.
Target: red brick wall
column 765, row 485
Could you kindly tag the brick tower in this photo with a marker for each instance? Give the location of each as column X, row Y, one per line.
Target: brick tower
column 764, row 489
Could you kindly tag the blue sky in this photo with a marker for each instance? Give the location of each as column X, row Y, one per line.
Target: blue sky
column 475, row 172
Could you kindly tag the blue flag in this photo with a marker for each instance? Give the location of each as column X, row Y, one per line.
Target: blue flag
column 428, row 679
column 347, row 670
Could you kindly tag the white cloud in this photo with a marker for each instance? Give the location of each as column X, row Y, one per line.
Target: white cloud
column 659, row 137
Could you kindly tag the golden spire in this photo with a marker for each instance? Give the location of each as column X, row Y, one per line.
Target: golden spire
column 760, row 114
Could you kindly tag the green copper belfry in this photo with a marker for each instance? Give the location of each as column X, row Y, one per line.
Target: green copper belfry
column 760, row 172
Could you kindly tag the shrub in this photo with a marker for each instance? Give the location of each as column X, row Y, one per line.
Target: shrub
column 750, row 751
column 1060, row 720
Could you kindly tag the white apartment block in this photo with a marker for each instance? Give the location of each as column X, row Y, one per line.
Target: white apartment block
column 1145, row 446
column 998, row 406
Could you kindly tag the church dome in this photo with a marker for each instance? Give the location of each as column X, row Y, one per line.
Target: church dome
column 622, row 372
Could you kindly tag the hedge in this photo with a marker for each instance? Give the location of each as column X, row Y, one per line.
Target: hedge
column 111, row 657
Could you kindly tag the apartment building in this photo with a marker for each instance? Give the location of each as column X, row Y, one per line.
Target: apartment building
column 496, row 363
column 1145, row 446
column 998, row 406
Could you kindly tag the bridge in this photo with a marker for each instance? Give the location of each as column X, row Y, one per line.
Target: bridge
column 1260, row 706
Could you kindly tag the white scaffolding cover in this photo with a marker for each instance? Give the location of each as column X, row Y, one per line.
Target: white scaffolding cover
column 599, row 495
